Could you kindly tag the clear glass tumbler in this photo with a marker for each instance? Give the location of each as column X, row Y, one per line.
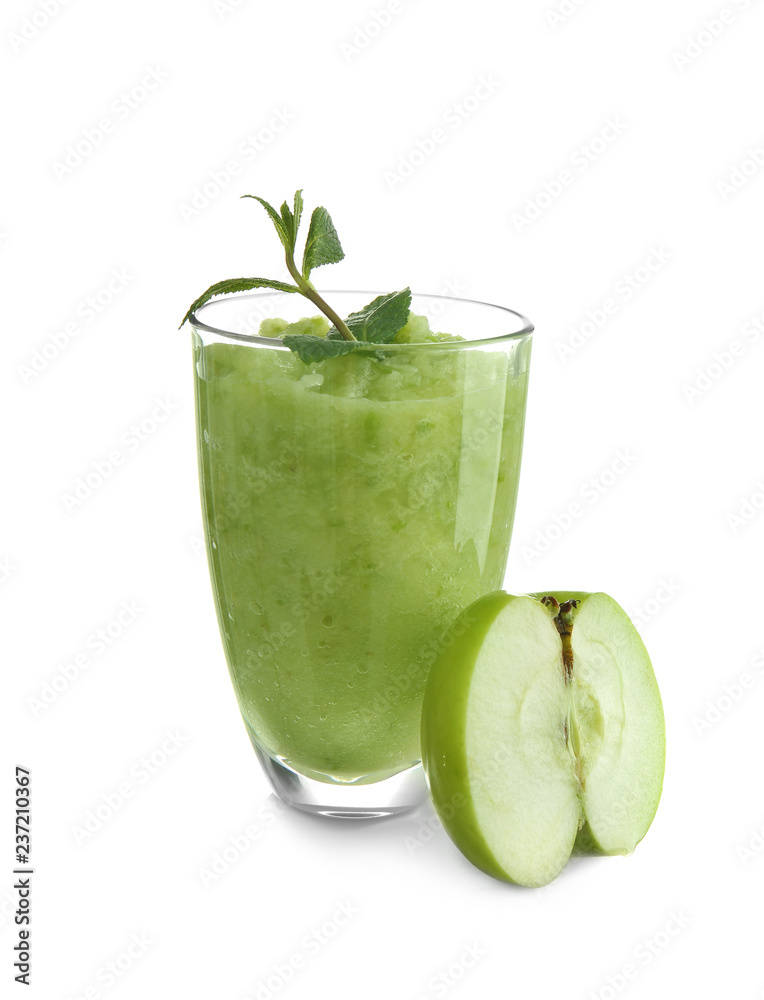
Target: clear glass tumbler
column 352, row 508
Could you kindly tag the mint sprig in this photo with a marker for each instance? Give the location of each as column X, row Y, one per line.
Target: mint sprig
column 376, row 323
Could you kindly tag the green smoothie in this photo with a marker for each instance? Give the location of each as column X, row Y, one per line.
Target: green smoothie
column 352, row 508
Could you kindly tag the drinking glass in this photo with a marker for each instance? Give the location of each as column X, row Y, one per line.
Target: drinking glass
column 352, row 508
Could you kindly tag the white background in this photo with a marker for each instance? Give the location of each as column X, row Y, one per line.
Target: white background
column 353, row 105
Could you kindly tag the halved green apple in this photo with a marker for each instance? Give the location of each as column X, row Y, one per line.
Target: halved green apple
column 543, row 731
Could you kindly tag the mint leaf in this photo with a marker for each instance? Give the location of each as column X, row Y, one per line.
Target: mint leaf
column 312, row 348
column 237, row 285
column 297, row 211
column 322, row 245
column 381, row 319
column 276, row 219
column 288, row 220
column 291, row 221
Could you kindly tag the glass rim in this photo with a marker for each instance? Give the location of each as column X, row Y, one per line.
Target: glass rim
column 251, row 338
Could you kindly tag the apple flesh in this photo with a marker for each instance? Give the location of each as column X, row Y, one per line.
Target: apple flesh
column 543, row 732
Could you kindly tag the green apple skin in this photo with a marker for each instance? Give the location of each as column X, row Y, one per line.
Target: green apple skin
column 445, row 710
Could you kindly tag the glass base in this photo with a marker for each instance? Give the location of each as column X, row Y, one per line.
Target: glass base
column 388, row 797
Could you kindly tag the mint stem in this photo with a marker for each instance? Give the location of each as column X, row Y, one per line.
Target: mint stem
column 309, row 292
